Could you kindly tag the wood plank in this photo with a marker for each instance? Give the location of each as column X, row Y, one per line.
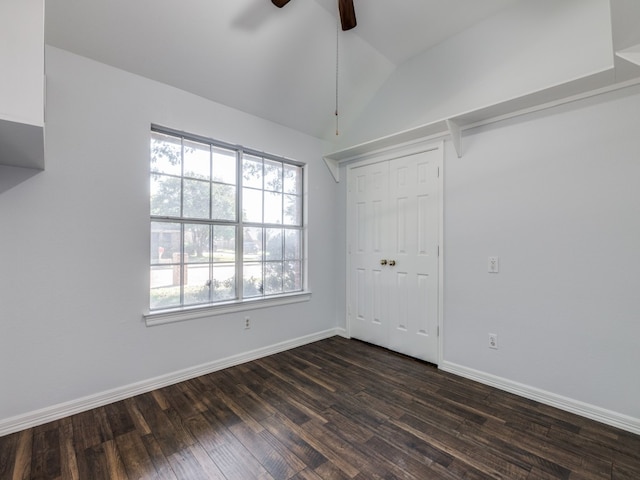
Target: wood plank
column 46, row 459
column 330, row 471
column 24, row 453
column 160, row 397
column 160, row 462
column 119, row 418
column 346, row 427
column 235, row 461
column 90, row 429
column 134, row 456
column 8, row 447
column 136, row 416
column 306, row 474
column 296, row 444
column 411, row 466
column 289, row 456
column 170, row 439
column 115, row 466
column 210, row 432
column 176, row 398
column 223, row 447
column 216, row 404
column 93, row 463
column 185, row 464
column 68, row 459
column 331, row 446
column 306, row 400
column 194, row 395
column 263, row 450
column 414, row 445
column 232, row 403
column 208, row 466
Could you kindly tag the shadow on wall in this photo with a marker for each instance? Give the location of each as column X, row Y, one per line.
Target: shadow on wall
column 12, row 176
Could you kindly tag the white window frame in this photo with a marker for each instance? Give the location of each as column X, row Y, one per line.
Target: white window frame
column 240, row 304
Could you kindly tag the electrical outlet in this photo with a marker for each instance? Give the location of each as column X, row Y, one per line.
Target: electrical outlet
column 493, row 341
column 247, row 323
column 494, row 265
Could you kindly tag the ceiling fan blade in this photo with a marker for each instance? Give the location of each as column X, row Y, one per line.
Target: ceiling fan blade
column 347, row 14
column 279, row 3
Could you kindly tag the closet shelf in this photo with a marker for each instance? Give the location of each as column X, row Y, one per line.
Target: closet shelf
column 454, row 126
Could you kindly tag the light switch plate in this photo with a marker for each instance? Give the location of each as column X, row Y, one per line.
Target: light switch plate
column 494, row 265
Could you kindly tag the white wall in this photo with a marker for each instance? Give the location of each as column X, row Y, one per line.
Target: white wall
column 74, row 243
column 555, row 195
column 526, row 48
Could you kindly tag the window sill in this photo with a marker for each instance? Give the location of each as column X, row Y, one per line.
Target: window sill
column 162, row 317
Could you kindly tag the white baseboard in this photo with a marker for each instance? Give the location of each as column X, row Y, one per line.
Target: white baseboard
column 593, row 412
column 342, row 332
column 56, row 412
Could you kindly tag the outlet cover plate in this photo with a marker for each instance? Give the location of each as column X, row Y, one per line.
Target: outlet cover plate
column 494, row 265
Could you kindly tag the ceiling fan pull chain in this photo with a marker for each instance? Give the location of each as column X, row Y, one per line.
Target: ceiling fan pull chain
column 337, row 71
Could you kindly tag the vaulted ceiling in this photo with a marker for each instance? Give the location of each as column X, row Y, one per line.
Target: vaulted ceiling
column 278, row 64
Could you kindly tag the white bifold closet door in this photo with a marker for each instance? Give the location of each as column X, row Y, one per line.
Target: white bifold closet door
column 393, row 234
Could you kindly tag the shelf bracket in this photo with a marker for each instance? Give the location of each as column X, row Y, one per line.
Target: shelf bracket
column 334, row 168
column 456, row 136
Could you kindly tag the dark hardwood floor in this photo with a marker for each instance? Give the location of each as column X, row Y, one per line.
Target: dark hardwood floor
column 335, row 409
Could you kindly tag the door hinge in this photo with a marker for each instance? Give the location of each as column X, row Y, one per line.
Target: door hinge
column 438, row 331
column 438, row 250
column 438, row 172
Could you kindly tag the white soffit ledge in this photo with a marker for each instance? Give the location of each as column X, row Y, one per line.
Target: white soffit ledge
column 631, row 54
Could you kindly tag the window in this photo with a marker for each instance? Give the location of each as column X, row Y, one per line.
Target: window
column 226, row 223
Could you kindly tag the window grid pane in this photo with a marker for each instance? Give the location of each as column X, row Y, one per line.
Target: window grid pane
column 224, row 165
column 201, row 251
column 166, row 154
column 197, row 160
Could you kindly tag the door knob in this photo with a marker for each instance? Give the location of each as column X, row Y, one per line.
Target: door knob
column 392, row 263
column 383, row 262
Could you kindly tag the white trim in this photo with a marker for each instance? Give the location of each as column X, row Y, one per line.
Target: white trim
column 456, row 135
column 583, row 409
column 62, row 410
column 342, row 332
column 172, row 316
column 441, row 173
column 414, row 143
column 421, row 145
